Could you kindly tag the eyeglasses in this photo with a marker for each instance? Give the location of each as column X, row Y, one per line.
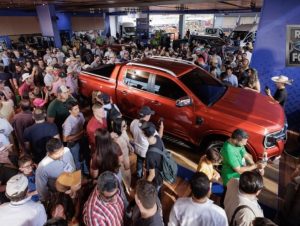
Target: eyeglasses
column 27, row 167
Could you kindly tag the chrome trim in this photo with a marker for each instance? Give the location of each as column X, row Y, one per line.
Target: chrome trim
column 278, row 135
column 152, row 67
column 173, row 60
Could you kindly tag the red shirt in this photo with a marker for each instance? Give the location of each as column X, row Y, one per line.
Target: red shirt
column 97, row 212
column 92, row 126
column 24, row 88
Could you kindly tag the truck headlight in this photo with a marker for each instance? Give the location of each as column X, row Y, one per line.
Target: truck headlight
column 272, row 138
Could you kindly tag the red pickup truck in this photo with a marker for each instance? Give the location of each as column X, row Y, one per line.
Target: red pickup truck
column 196, row 107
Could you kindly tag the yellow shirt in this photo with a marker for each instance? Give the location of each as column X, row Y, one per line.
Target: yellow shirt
column 206, row 167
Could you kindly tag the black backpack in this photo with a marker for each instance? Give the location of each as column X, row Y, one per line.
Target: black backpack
column 169, row 166
column 112, row 113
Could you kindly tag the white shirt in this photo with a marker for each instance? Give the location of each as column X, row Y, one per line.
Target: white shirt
column 235, row 198
column 23, row 213
column 5, row 131
column 186, row 212
column 249, row 56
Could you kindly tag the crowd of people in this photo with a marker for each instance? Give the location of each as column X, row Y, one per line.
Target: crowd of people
column 61, row 166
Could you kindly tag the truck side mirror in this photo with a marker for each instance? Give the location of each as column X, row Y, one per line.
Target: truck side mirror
column 183, row 101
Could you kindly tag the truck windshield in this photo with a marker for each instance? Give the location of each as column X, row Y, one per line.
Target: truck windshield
column 235, row 34
column 130, row 29
column 205, row 87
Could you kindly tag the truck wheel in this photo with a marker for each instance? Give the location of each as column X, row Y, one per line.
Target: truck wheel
column 218, row 144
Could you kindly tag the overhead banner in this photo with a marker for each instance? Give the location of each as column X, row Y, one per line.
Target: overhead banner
column 293, row 46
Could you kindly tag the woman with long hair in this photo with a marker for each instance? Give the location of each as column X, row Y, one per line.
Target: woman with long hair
column 253, row 81
column 120, row 136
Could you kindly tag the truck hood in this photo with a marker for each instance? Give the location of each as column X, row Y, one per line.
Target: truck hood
column 252, row 107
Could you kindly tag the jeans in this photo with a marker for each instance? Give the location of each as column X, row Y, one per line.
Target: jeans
column 139, row 166
column 76, row 155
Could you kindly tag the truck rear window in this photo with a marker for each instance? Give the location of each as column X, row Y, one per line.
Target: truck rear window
column 104, row 70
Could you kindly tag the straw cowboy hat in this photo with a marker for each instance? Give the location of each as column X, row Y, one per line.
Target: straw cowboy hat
column 282, row 79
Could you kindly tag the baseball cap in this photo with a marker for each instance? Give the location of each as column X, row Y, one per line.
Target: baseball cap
column 104, row 97
column 145, row 110
column 67, row 180
column 16, row 185
column 38, row 102
column 62, row 89
column 107, row 181
column 239, row 134
column 25, row 76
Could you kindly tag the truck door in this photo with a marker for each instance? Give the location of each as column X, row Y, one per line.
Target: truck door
column 178, row 121
column 133, row 91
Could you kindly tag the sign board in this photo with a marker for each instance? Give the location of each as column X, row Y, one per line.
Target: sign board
column 142, row 29
column 293, row 45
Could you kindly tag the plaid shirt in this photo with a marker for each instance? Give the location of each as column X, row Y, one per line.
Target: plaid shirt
column 99, row 213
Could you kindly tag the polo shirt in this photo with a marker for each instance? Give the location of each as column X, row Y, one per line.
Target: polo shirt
column 73, row 125
column 37, row 135
column 59, row 111
column 186, row 212
column 233, row 156
column 23, row 213
column 97, row 212
column 92, row 126
column 49, row 169
column 234, row 198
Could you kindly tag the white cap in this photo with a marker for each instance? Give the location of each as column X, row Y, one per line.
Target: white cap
column 16, row 185
column 25, row 76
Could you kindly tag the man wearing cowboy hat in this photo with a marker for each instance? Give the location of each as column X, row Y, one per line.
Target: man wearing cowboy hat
column 281, row 94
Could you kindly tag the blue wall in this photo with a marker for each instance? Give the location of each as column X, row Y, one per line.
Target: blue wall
column 269, row 52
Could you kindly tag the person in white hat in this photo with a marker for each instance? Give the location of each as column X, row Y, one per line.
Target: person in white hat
column 280, row 94
column 27, row 84
column 21, row 210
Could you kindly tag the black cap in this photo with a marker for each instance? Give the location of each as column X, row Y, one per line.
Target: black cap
column 239, row 134
column 145, row 110
column 104, row 97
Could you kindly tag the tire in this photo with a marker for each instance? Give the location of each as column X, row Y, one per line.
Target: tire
column 217, row 143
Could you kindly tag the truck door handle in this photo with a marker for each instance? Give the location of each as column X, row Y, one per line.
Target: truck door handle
column 124, row 92
column 155, row 102
column 199, row 120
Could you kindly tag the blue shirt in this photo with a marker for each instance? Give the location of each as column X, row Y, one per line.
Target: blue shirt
column 231, row 80
column 32, row 187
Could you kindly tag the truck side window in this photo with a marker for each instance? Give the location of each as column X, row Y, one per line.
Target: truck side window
column 137, row 79
column 167, row 88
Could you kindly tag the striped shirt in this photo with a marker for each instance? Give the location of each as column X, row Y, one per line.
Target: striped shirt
column 99, row 213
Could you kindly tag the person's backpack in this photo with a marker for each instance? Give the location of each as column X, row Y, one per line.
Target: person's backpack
column 112, row 113
column 169, row 166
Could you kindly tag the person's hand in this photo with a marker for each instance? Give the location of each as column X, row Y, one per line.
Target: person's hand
column 261, row 165
column 268, row 92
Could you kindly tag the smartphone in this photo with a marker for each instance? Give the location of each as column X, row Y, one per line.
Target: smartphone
column 161, row 119
column 267, row 87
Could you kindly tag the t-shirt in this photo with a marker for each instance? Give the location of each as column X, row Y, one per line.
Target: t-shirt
column 154, row 161
column 37, row 135
column 92, row 126
column 7, row 109
column 280, row 95
column 59, row 111
column 155, row 220
column 233, row 157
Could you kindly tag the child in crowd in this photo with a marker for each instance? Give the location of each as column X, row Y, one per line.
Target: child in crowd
column 207, row 163
column 26, row 167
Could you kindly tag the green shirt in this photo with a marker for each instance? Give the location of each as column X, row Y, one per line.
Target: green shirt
column 59, row 111
column 232, row 157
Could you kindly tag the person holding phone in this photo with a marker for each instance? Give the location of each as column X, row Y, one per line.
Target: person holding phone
column 280, row 94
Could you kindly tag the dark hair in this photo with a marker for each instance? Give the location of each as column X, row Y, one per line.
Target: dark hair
column 107, row 181
column 107, row 152
column 71, row 104
column 38, row 114
column 239, row 134
column 200, row 185
column 22, row 195
column 146, row 193
column 25, row 105
column 251, row 182
column 57, row 221
column 262, row 221
column 22, row 160
column 53, row 145
column 213, row 155
column 117, row 125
